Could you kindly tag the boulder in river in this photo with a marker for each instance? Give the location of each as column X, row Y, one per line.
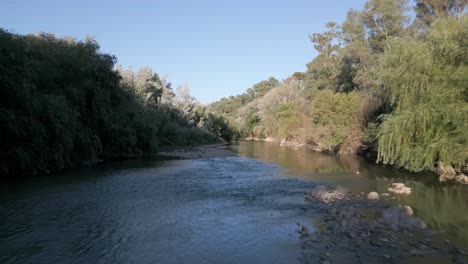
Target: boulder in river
column 399, row 188
column 407, row 210
column 373, row 196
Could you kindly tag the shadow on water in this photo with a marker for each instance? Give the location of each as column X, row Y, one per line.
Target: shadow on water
column 221, row 210
column 442, row 206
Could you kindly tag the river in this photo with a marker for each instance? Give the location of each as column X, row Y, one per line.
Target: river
column 220, row 210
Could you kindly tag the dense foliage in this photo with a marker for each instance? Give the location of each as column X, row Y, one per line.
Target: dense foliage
column 427, row 81
column 381, row 81
column 62, row 105
column 384, row 80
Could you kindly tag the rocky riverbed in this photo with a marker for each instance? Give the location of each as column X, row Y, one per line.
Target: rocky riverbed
column 356, row 229
column 359, row 227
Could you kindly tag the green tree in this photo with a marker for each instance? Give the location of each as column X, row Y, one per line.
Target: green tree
column 427, row 83
column 384, row 19
column 336, row 119
column 323, row 70
column 63, row 104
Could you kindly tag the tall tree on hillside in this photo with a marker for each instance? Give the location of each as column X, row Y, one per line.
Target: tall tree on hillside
column 358, row 63
column 323, row 70
column 185, row 103
column 127, row 77
column 384, row 19
column 428, row 10
column 149, row 85
column 353, row 27
column 261, row 88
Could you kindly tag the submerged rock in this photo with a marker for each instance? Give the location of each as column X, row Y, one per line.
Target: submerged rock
column 326, row 195
column 304, row 231
column 461, row 178
column 399, row 218
column 380, row 233
column 373, row 196
column 399, row 188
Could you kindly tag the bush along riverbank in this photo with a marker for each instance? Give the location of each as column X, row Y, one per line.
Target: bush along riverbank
column 64, row 104
column 383, row 85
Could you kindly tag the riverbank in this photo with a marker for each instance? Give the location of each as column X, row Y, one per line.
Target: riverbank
column 444, row 172
column 200, row 152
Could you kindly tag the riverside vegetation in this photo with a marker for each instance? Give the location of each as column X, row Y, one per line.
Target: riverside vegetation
column 64, row 104
column 384, row 83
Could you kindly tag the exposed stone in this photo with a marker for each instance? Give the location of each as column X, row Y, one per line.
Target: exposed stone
column 442, row 178
column 394, row 235
column 373, row 196
column 446, row 171
column 461, row 178
column 399, row 188
column 407, row 210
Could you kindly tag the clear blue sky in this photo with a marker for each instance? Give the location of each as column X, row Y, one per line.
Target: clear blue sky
column 218, row 47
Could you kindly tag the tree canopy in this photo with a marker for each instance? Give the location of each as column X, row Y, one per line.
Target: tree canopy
column 64, row 104
column 381, row 82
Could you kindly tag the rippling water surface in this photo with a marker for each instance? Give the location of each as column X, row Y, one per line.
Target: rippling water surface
column 221, row 210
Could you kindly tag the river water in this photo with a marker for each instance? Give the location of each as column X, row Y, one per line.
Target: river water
column 220, row 210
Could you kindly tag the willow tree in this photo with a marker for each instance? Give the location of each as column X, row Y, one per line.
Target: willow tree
column 427, row 82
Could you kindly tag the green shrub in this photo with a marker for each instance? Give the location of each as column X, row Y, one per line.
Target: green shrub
column 336, row 119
